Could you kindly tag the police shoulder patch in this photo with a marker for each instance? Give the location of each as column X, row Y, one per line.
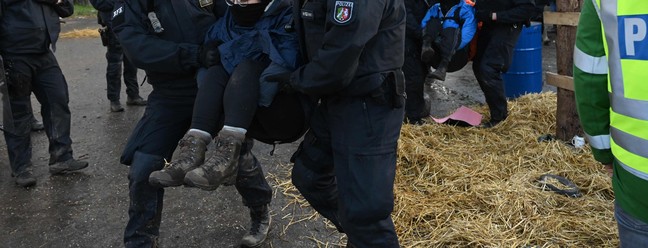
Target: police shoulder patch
column 343, row 12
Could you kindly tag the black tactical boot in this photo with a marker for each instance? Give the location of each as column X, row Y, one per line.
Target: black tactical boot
column 136, row 101
column 192, row 155
column 439, row 73
column 427, row 52
column 260, row 225
column 25, row 179
column 36, row 125
column 67, row 166
column 222, row 165
column 115, row 106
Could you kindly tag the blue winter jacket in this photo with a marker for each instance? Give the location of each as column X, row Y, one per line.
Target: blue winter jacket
column 467, row 20
column 268, row 37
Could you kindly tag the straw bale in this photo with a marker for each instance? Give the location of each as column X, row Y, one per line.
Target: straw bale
column 473, row 187
column 459, row 187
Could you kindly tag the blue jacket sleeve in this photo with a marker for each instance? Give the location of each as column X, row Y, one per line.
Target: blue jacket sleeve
column 469, row 27
column 145, row 49
column 433, row 12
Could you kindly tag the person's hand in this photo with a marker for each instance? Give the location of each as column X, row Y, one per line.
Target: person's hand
column 284, row 81
column 609, row 169
column 208, row 54
column 484, row 16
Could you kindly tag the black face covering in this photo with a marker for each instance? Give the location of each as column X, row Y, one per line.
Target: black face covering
column 249, row 15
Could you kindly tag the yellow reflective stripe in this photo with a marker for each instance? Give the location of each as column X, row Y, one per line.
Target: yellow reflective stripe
column 638, row 164
column 608, row 12
column 600, row 142
column 629, row 125
column 635, row 74
column 590, row 64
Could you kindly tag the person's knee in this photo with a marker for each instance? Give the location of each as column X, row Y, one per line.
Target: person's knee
column 143, row 165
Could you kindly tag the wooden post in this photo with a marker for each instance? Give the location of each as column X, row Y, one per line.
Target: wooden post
column 567, row 121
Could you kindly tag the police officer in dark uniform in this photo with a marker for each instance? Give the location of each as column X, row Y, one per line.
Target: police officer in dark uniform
column 164, row 38
column 28, row 34
column 346, row 164
column 115, row 57
column 414, row 69
column 502, row 23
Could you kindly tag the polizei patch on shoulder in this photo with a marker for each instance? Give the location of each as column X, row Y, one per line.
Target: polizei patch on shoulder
column 343, row 12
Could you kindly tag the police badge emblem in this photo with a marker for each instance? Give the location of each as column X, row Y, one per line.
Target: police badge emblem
column 205, row 3
column 343, row 11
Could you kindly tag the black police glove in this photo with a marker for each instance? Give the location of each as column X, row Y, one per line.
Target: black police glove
column 208, row 54
column 52, row 2
column 484, row 16
column 284, row 82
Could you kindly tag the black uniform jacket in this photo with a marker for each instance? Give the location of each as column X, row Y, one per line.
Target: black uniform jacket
column 105, row 8
column 508, row 11
column 349, row 44
column 171, row 55
column 30, row 26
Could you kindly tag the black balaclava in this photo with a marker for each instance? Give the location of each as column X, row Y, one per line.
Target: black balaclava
column 249, row 15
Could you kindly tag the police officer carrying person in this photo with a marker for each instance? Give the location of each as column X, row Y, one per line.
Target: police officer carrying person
column 414, row 69
column 115, row 57
column 165, row 38
column 610, row 62
column 346, row 164
column 502, row 22
column 28, row 34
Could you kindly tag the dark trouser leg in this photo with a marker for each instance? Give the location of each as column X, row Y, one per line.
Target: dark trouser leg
column 19, row 85
column 364, row 138
column 415, row 71
column 19, row 140
column 242, row 94
column 208, row 110
column 130, row 78
column 114, row 55
column 145, row 208
column 51, row 90
column 430, row 34
column 250, row 181
column 494, row 54
column 313, row 174
column 165, row 121
column 449, row 42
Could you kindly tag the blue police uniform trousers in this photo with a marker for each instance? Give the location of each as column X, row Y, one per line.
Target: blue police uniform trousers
column 40, row 74
column 164, row 123
column 116, row 62
column 346, row 165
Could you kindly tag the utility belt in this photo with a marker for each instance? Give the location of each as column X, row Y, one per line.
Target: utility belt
column 385, row 87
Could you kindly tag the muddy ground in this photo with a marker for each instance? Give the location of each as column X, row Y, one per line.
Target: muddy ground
column 89, row 208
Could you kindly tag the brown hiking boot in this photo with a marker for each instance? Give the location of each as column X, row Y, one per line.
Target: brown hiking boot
column 260, row 225
column 192, row 155
column 222, row 165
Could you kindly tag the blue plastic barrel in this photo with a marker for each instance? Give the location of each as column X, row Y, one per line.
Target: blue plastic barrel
column 525, row 73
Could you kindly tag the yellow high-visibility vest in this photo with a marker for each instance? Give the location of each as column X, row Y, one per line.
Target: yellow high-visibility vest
column 625, row 31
